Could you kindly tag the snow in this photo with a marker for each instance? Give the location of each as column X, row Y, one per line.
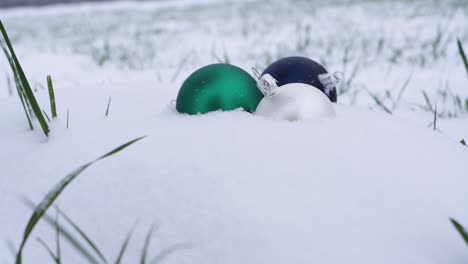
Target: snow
column 232, row 187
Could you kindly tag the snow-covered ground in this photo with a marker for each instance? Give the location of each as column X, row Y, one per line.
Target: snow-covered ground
column 366, row 187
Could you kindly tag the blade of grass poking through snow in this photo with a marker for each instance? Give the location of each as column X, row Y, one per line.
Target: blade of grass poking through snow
column 108, row 105
column 25, row 84
column 53, row 194
column 163, row 255
column 124, row 246
column 144, row 254
column 47, row 248
column 25, row 110
column 45, row 114
column 18, row 84
column 67, row 235
column 428, row 101
column 53, row 107
column 57, row 238
column 460, row 230
column 402, row 90
column 378, row 102
column 83, row 235
column 462, row 55
column 19, row 89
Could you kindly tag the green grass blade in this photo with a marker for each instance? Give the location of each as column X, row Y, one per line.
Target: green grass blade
column 25, row 110
column 118, row 149
column 460, row 230
column 47, row 248
column 124, row 246
column 402, row 90
column 83, row 235
column 462, row 55
column 163, row 255
column 53, row 107
column 144, row 253
column 18, row 83
column 45, row 114
column 53, row 194
column 16, row 78
column 108, row 106
column 46, row 202
column 379, row 102
column 10, row 60
column 428, row 102
column 18, row 86
column 67, row 235
column 27, row 88
column 58, row 250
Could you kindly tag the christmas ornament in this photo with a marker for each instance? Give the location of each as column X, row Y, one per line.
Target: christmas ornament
column 303, row 70
column 293, row 101
column 218, row 87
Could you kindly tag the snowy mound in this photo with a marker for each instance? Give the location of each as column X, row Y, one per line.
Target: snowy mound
column 238, row 188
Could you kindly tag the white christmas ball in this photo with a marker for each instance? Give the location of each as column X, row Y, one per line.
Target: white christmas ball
column 296, row 102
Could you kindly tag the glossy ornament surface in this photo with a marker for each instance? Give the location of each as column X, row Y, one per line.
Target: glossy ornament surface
column 303, row 70
column 218, row 87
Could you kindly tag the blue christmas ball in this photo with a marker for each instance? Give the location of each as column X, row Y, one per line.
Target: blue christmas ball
column 302, row 70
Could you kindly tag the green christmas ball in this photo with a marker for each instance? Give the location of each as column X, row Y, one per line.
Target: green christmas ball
column 218, row 87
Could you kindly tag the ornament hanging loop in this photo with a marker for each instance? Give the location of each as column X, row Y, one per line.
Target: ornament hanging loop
column 256, row 73
column 338, row 76
column 329, row 81
column 266, row 83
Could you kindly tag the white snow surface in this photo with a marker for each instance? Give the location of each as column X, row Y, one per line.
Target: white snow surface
column 232, row 187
